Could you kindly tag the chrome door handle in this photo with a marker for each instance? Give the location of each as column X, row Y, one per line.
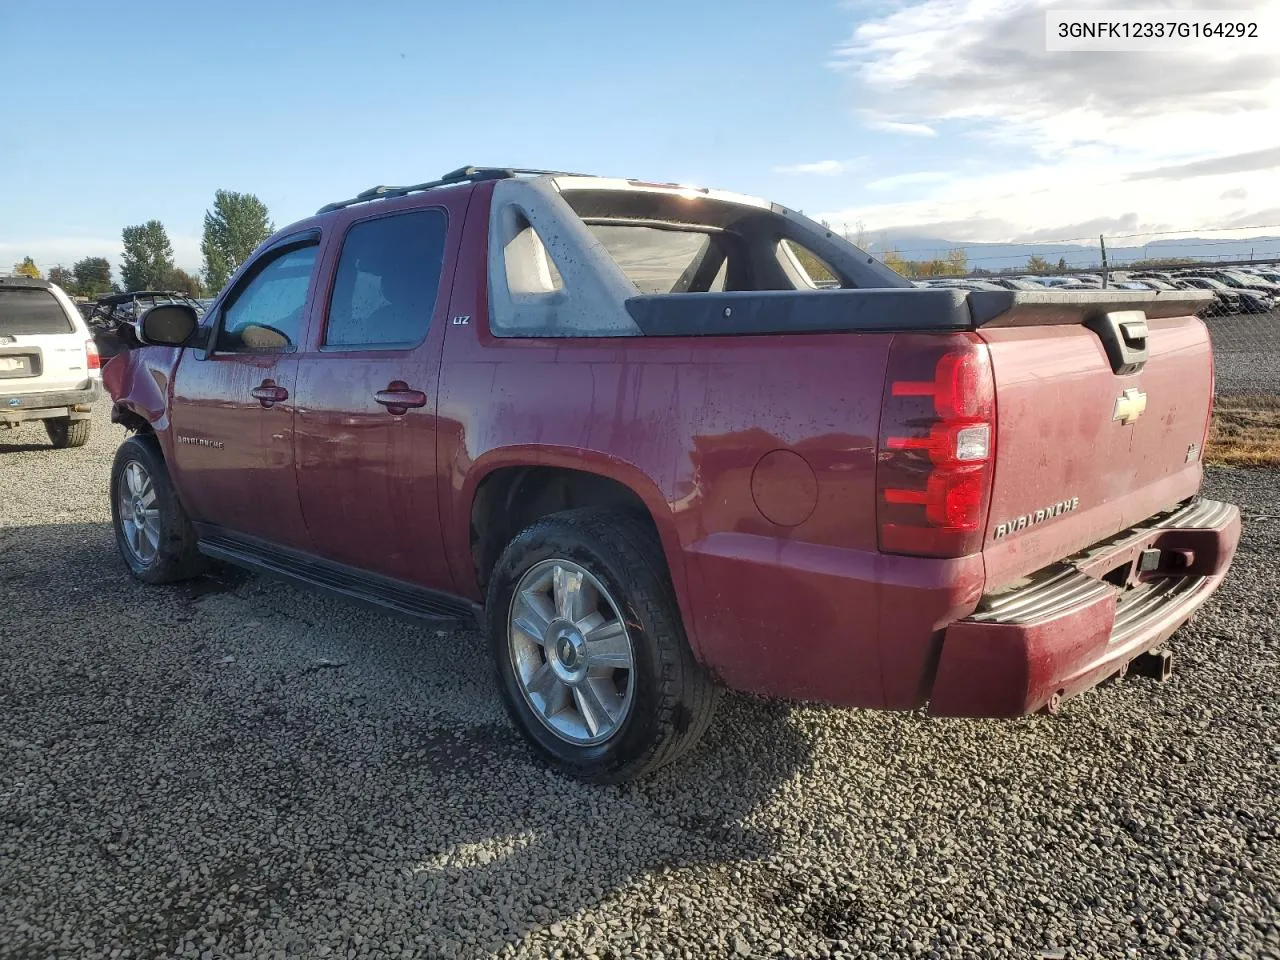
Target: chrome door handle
column 269, row 392
column 398, row 398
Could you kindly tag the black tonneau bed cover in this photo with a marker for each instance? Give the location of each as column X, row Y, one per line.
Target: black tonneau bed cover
column 888, row 310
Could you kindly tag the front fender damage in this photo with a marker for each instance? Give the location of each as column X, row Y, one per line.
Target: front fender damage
column 138, row 383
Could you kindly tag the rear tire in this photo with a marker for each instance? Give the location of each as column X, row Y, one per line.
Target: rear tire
column 65, row 432
column 153, row 532
column 650, row 701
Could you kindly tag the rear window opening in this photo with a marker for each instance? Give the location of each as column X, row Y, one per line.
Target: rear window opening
column 31, row 312
column 674, row 242
column 666, row 260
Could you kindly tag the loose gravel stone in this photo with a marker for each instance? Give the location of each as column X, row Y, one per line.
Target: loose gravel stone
column 238, row 768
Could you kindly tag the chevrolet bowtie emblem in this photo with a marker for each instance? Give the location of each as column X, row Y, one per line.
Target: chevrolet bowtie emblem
column 1129, row 406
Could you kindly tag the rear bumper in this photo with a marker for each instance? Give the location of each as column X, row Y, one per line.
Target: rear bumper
column 17, row 408
column 1070, row 629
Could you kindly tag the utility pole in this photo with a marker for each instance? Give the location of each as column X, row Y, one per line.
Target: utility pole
column 1103, row 242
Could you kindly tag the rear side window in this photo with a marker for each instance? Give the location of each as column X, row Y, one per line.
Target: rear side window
column 267, row 313
column 388, row 277
column 31, row 311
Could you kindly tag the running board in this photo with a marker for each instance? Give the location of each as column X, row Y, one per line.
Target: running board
column 382, row 593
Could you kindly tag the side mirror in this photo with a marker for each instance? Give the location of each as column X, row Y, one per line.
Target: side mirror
column 168, row 325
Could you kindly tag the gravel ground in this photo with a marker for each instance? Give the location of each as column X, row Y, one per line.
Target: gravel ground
column 1247, row 353
column 240, row 768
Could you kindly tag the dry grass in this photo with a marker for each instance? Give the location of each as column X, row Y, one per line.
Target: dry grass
column 1245, row 432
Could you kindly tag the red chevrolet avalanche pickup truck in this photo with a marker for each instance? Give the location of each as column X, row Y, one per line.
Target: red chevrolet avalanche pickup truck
column 664, row 439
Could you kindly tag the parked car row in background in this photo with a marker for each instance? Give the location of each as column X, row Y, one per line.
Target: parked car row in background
column 1237, row 290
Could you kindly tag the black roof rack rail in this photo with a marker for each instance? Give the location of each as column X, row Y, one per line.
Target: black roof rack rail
column 461, row 175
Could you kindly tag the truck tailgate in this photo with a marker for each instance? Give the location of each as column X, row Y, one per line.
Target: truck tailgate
column 1083, row 452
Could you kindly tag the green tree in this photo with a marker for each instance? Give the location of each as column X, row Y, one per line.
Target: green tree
column 93, row 276
column 1037, row 265
column 897, row 263
column 184, row 282
column 148, row 256
column 235, row 225
column 27, row 268
column 63, row 278
column 1062, row 264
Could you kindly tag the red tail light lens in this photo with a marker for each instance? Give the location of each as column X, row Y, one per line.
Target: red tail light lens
column 91, row 349
column 937, row 445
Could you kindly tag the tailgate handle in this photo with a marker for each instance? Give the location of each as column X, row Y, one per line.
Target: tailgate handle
column 1124, row 337
column 1134, row 332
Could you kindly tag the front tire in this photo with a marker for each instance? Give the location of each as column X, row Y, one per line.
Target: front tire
column 591, row 656
column 153, row 532
column 65, row 432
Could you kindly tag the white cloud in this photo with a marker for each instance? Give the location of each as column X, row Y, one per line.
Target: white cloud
column 1149, row 140
column 821, row 168
column 908, row 179
column 984, row 62
column 1215, row 166
column 1069, row 199
column 899, row 126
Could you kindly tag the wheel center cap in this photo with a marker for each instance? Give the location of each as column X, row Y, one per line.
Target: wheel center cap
column 568, row 651
column 139, row 511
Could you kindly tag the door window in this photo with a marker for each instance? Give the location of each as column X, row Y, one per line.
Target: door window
column 388, row 276
column 268, row 312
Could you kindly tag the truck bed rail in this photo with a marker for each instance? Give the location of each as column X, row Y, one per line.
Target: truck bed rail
column 748, row 313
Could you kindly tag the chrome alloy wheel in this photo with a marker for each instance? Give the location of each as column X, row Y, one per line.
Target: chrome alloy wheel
column 571, row 652
column 139, row 513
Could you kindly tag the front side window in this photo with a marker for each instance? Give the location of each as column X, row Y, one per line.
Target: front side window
column 388, row 277
column 268, row 312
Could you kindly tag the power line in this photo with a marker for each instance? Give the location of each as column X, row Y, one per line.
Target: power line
column 1166, row 233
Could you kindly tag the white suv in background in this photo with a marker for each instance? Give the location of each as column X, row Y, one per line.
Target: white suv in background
column 49, row 367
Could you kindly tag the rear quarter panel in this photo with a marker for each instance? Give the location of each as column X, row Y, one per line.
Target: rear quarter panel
column 694, row 428
column 685, row 424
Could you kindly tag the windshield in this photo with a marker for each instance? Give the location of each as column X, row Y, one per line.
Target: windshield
column 31, row 311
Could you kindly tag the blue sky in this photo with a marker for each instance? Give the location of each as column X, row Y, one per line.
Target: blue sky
column 834, row 108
